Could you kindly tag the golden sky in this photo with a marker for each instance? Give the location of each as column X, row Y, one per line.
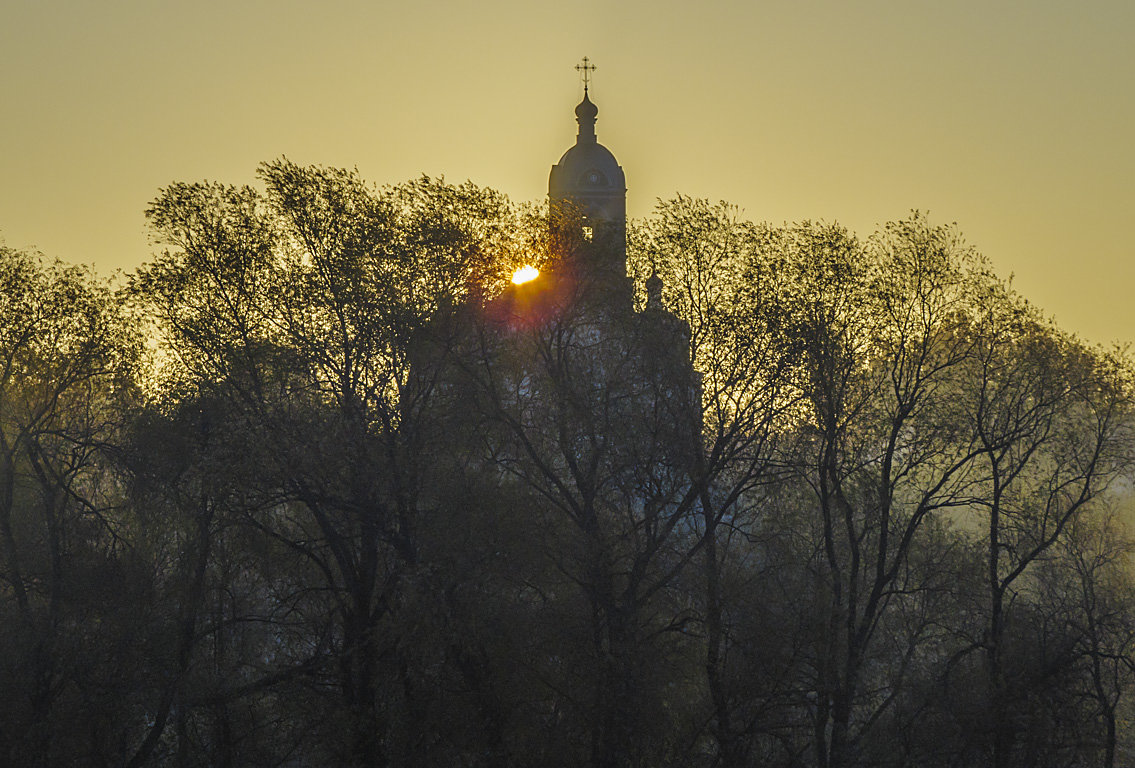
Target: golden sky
column 1014, row 119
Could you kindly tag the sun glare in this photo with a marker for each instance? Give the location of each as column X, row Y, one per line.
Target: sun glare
column 525, row 274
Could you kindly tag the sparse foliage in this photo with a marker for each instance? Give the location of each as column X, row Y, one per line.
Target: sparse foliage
column 782, row 497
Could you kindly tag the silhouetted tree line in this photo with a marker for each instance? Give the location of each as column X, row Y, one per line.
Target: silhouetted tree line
column 296, row 494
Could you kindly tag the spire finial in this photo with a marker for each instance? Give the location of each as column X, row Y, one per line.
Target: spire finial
column 585, row 69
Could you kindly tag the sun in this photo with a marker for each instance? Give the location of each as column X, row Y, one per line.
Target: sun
column 525, row 274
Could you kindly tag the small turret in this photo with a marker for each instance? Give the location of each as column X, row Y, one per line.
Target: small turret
column 585, row 115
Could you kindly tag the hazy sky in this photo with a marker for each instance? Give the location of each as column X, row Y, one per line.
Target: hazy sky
column 1014, row 119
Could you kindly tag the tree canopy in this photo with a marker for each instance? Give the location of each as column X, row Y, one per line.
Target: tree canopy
column 316, row 486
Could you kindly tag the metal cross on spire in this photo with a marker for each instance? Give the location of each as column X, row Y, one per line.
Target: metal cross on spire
column 585, row 69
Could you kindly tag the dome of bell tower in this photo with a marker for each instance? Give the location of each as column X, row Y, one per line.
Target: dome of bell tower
column 589, row 179
column 588, row 173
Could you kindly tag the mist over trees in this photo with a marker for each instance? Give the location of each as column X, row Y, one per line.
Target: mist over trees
column 315, row 487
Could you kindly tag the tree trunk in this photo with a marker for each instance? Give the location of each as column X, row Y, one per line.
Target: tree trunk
column 730, row 751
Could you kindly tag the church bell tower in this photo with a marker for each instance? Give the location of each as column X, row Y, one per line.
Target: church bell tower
column 588, row 181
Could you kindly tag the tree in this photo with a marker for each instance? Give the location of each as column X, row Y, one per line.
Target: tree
column 880, row 450
column 301, row 309
column 66, row 358
column 1052, row 420
column 1104, row 617
column 586, row 410
column 727, row 283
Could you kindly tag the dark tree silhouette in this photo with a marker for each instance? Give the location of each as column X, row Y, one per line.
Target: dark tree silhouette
column 322, row 488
